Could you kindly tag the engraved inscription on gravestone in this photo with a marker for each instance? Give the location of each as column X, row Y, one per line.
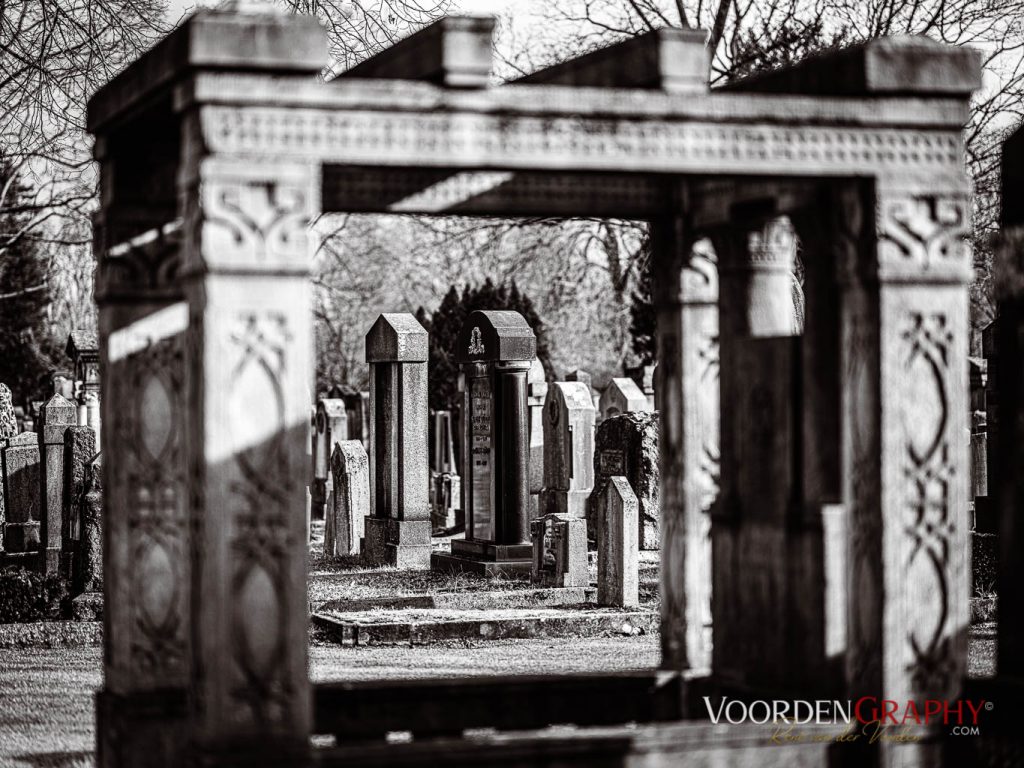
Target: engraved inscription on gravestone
column 483, row 515
column 611, row 462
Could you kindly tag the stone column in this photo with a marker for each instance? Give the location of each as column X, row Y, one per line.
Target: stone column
column 904, row 273
column 247, row 256
column 759, row 450
column 140, row 713
column 56, row 416
column 568, row 449
column 686, row 305
column 512, row 462
column 398, row 532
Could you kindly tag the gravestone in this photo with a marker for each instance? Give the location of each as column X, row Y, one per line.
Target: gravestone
column 618, row 513
column 495, row 349
column 398, row 530
column 8, row 428
column 536, row 394
column 559, row 551
column 622, row 395
column 21, row 492
column 445, row 486
column 344, row 527
column 568, row 449
column 643, row 377
column 88, row 568
column 357, row 408
column 57, row 415
column 79, row 451
column 627, row 445
column 331, row 425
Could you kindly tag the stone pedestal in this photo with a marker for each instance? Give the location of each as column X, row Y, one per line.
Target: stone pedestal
column 57, row 415
column 618, row 574
column 495, row 349
column 398, row 533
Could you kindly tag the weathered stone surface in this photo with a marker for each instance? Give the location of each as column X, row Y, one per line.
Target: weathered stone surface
column 398, row 533
column 618, row 574
column 568, row 449
column 495, row 335
column 88, row 570
column 57, row 415
column 21, row 492
column 673, row 60
column 79, row 450
column 396, row 337
column 622, row 395
column 8, row 428
column 560, row 551
column 627, row 445
column 455, row 51
column 350, row 469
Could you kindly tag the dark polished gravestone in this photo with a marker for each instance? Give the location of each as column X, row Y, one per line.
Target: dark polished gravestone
column 495, row 349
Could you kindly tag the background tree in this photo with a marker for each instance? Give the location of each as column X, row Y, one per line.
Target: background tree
column 26, row 350
column 446, row 322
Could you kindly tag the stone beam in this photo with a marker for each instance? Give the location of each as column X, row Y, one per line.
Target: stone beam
column 890, row 66
column 454, row 51
column 673, row 60
column 289, row 44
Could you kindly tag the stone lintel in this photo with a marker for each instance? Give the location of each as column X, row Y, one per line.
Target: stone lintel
column 495, row 336
column 888, row 66
column 396, row 337
column 209, row 39
column 672, row 60
column 455, row 51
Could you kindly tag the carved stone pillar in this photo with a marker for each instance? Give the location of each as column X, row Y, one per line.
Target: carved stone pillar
column 759, row 477
column 146, row 564
column 246, row 268
column 905, row 460
column 685, row 298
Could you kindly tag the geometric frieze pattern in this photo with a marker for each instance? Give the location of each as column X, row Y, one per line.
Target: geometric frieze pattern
column 469, row 139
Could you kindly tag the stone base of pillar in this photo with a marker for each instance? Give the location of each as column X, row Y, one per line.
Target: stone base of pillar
column 141, row 729
column 401, row 543
column 485, row 558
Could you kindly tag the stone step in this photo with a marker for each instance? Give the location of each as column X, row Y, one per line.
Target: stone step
column 414, row 627
column 515, row 598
